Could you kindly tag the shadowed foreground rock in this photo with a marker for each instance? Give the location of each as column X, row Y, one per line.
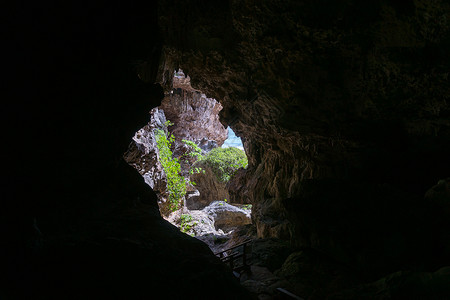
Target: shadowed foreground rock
column 126, row 251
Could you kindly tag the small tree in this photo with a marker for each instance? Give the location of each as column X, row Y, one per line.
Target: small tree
column 196, row 153
column 224, row 162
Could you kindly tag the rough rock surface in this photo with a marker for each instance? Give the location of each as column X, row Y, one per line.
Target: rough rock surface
column 217, row 216
column 210, row 189
column 213, row 224
column 226, row 216
column 195, row 116
column 343, row 110
column 142, row 154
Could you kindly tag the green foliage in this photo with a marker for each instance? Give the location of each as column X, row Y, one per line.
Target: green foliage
column 196, row 153
column 168, row 123
column 224, row 162
column 247, row 207
column 196, row 170
column 176, row 184
column 185, row 218
column 186, row 223
column 195, row 149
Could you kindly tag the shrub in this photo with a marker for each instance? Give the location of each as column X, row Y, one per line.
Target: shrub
column 176, row 184
column 224, row 162
column 195, row 150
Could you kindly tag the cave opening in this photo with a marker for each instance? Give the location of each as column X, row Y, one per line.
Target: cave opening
column 189, row 158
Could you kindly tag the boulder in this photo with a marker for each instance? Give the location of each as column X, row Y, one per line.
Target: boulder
column 226, row 216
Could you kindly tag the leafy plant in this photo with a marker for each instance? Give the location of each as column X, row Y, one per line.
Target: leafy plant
column 176, row 184
column 196, row 170
column 195, row 149
column 185, row 223
column 184, row 218
column 247, row 207
column 224, row 162
column 196, row 153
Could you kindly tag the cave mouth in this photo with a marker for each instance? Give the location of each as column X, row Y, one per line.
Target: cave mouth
column 189, row 159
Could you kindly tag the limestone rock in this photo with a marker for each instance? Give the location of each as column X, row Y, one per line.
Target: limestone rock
column 209, row 187
column 213, row 224
column 226, row 216
column 143, row 156
column 195, row 116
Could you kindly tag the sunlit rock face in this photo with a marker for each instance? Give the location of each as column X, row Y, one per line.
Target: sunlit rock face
column 142, row 154
column 195, row 116
column 209, row 187
column 343, row 111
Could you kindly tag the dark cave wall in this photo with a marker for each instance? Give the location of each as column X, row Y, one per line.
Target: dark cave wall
column 343, row 109
column 77, row 222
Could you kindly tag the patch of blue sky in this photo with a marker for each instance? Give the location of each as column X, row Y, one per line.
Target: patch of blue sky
column 233, row 140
